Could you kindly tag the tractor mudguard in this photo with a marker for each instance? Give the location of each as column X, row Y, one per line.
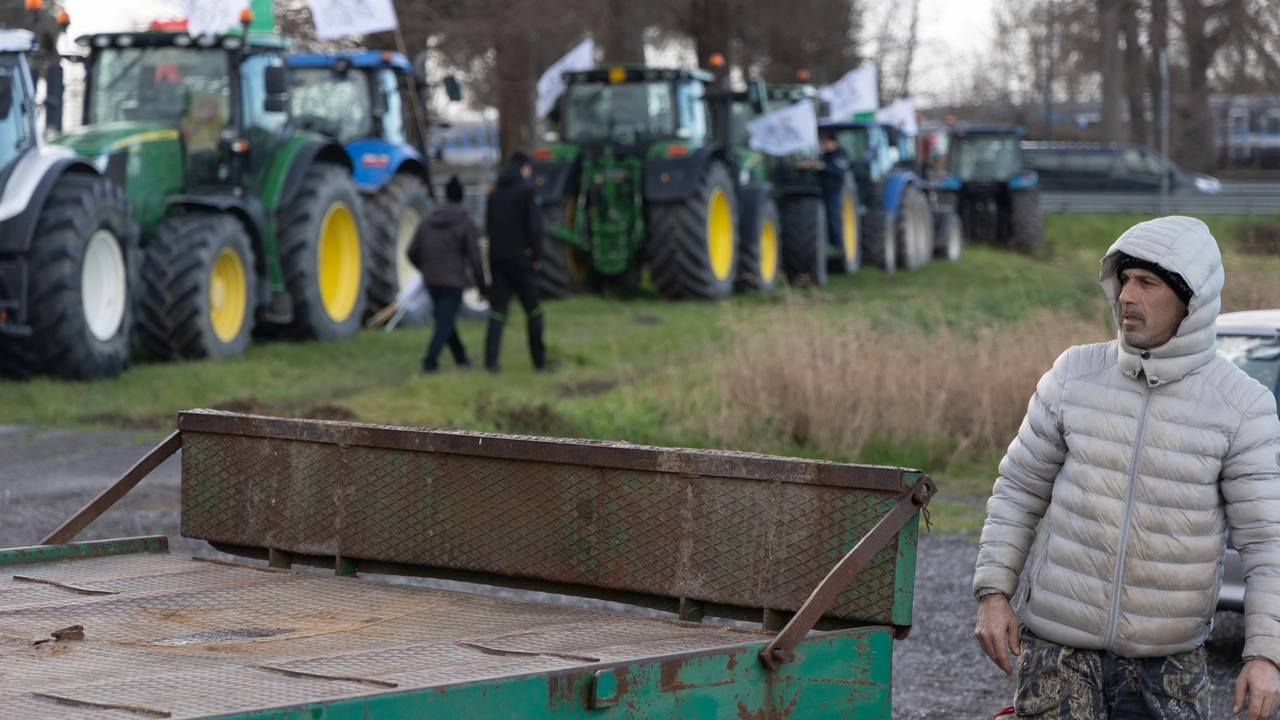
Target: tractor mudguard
column 315, row 150
column 672, row 179
column 551, row 180
column 375, row 161
column 247, row 208
column 893, row 187
column 27, row 190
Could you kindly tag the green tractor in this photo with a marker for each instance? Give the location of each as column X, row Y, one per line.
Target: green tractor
column 636, row 176
column 244, row 218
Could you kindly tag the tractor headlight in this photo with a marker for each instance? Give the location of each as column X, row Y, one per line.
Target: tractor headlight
column 1209, row 186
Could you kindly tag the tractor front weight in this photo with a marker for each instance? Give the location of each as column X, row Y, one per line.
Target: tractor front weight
column 611, row 208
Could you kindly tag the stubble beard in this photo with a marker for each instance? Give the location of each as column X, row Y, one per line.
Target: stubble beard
column 1140, row 339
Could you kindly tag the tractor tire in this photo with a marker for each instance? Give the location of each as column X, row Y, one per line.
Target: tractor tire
column 1025, row 224
column 847, row 257
column 804, row 241
column 83, row 279
column 693, row 244
column 199, row 288
column 325, row 255
column 879, row 248
column 914, row 232
column 948, row 234
column 394, row 213
column 564, row 270
column 760, row 252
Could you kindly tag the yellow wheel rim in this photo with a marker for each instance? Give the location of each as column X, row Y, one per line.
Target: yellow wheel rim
column 578, row 262
column 228, row 295
column 768, row 251
column 338, row 262
column 849, row 218
column 720, row 234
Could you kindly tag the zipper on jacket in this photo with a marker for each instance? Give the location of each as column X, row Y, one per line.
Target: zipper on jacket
column 1113, row 617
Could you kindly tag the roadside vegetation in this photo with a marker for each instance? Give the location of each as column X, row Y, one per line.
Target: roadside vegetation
column 929, row 369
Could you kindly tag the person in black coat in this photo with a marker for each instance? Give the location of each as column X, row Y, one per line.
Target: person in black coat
column 514, row 224
column 443, row 249
column 831, row 174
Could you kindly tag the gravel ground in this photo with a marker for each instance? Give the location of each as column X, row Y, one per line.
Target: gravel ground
column 939, row 671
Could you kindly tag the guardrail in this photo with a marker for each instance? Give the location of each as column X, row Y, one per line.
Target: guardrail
column 1225, row 204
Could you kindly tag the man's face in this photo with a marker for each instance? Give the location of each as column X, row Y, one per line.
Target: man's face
column 1150, row 312
column 526, row 170
column 827, row 144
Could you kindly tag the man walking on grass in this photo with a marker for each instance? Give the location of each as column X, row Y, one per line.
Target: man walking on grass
column 1134, row 459
column 514, row 224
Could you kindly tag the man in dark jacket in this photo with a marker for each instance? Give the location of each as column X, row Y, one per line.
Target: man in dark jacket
column 831, row 173
column 443, row 248
column 515, row 235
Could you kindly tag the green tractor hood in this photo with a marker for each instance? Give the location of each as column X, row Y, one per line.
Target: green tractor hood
column 96, row 140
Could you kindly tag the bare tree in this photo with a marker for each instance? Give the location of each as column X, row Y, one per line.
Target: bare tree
column 624, row 25
column 1112, row 67
column 1135, row 72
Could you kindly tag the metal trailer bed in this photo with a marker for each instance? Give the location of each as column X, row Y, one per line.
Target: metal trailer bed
column 122, row 629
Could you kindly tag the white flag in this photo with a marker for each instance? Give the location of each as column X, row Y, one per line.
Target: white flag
column 210, row 17
column 550, row 85
column 857, row 92
column 787, row 131
column 901, row 114
column 343, row 18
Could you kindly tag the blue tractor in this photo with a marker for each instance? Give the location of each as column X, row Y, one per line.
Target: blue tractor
column 369, row 101
column 997, row 196
column 902, row 224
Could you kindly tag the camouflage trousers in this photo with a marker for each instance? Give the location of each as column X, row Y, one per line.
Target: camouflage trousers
column 1056, row 682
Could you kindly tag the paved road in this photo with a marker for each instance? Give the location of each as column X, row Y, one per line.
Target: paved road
column 938, row 671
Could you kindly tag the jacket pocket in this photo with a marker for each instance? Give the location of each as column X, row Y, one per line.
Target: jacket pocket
column 1177, row 686
column 1039, row 677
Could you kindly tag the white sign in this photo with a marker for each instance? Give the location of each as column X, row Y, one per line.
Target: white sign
column 551, row 84
column 857, row 92
column 210, row 17
column 787, row 131
column 343, row 18
column 901, row 115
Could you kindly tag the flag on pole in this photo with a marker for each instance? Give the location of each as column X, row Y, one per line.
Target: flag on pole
column 550, row 85
column 787, row 131
column 857, row 92
column 343, row 18
column 901, row 114
column 210, row 17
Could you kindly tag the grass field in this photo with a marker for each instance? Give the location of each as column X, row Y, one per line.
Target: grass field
column 930, row 369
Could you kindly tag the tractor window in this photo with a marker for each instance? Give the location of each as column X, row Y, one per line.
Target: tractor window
column 394, row 118
column 985, row 158
column 15, row 128
column 261, row 128
column 854, row 142
column 186, row 87
column 332, row 103
column 623, row 113
column 693, row 111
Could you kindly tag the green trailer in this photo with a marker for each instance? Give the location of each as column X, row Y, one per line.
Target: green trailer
column 812, row 561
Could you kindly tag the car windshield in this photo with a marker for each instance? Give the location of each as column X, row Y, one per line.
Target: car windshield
column 623, row 113
column 15, row 131
column 1259, row 357
column 985, row 158
column 336, row 104
column 187, row 87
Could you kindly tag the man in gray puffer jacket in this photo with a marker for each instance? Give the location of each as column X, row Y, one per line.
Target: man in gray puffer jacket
column 1134, row 458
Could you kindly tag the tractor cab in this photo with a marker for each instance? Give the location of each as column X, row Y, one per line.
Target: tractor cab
column 986, row 155
column 636, row 111
column 17, row 107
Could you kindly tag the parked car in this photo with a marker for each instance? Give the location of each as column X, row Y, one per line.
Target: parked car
column 1251, row 340
column 1095, row 167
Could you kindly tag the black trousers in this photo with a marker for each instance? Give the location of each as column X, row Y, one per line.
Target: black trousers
column 514, row 277
column 445, row 302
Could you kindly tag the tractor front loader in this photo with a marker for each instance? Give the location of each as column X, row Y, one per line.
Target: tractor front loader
column 245, row 218
column 68, row 246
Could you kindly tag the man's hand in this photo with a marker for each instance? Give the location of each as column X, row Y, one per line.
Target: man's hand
column 997, row 631
column 1261, row 681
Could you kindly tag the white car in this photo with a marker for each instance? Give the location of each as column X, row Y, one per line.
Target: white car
column 1251, row 340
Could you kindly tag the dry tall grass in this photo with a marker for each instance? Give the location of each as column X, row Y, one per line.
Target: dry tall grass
column 836, row 388
column 1252, row 282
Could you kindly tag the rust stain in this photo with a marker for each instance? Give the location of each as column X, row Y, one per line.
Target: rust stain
column 767, row 713
column 561, row 690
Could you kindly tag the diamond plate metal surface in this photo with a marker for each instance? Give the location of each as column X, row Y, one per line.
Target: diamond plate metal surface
column 575, row 512
column 335, row 637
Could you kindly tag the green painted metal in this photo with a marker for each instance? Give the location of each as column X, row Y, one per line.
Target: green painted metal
column 269, row 187
column 611, row 207
column 71, row 551
column 264, row 17
column 839, row 675
column 904, row 573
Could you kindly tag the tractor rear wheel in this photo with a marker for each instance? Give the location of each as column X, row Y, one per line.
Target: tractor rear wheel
column 394, row 213
column 82, row 269
column 693, row 244
column 1025, row 222
column 848, row 257
column 948, row 235
column 878, row 244
column 564, row 269
column 760, row 254
column 324, row 254
column 914, row 229
column 199, row 288
column 804, row 240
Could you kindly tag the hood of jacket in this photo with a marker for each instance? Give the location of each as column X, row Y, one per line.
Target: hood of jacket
column 1184, row 246
column 447, row 215
column 509, row 176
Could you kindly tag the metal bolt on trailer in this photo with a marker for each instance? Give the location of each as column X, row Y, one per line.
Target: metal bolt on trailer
column 821, row 554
